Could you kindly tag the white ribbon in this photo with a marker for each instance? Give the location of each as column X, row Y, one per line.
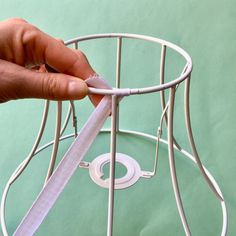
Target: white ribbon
column 68, row 164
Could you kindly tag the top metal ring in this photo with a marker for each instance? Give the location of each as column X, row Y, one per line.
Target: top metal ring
column 127, row 91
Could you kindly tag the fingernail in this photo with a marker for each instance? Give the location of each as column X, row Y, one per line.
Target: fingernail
column 77, row 89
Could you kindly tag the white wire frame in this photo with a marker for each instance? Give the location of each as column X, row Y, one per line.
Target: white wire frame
column 116, row 92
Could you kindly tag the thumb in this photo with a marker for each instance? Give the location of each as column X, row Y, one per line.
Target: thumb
column 54, row 86
column 18, row 82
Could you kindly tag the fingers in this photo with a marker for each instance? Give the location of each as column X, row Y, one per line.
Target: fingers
column 54, row 86
column 95, row 99
column 18, row 82
column 24, row 44
column 42, row 48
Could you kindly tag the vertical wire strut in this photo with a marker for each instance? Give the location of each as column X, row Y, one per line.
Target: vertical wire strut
column 172, row 163
column 191, row 140
column 118, row 67
column 68, row 115
column 159, row 134
column 162, row 75
column 76, row 46
column 56, row 141
column 162, row 81
column 112, row 166
column 74, row 118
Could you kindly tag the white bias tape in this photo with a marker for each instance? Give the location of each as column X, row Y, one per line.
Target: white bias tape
column 65, row 169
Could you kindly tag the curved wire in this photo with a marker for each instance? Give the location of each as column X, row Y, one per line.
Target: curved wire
column 151, row 89
column 66, row 121
column 162, row 81
column 172, row 164
column 192, row 158
column 56, row 141
column 34, row 151
column 135, row 133
column 22, row 167
column 192, row 143
column 74, row 118
column 37, row 141
column 59, row 132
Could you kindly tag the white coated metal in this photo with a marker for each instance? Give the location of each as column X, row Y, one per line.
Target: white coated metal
column 192, row 143
column 56, row 142
column 112, row 166
column 128, row 132
column 131, row 165
column 172, row 163
column 132, row 175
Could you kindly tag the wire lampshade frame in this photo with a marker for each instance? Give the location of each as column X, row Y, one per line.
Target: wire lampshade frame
column 166, row 119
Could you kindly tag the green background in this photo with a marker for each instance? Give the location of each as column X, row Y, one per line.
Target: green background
column 206, row 30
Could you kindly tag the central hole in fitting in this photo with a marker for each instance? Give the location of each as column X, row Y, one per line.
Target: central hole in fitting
column 120, row 170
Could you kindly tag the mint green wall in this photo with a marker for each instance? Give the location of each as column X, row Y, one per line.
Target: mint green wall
column 205, row 29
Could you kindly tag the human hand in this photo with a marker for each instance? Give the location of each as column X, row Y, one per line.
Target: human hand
column 23, row 47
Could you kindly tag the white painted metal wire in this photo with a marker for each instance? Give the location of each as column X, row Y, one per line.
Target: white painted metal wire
column 166, row 117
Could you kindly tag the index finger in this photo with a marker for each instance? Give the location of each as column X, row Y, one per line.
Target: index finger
column 48, row 50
